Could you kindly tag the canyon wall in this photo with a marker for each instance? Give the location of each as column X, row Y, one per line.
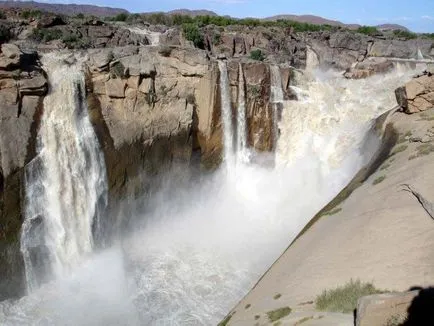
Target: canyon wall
column 155, row 108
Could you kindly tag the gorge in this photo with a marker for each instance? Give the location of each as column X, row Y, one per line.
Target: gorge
column 155, row 183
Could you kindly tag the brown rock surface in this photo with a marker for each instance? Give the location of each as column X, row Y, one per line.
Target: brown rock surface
column 417, row 95
column 382, row 309
column 21, row 95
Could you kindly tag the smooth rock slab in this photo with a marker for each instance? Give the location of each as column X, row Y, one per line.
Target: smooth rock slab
column 381, row 309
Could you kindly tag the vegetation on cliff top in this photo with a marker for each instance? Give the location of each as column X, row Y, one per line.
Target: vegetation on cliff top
column 344, row 298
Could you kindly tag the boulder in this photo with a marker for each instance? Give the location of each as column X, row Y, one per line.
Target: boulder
column 369, row 67
column 50, row 21
column 417, row 95
column 115, row 88
column 10, row 56
column 384, row 309
column 33, row 86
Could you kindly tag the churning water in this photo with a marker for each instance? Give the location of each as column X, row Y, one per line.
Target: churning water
column 202, row 247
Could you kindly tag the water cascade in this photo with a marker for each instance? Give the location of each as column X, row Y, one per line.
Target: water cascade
column 276, row 99
column 201, row 247
column 419, row 55
column 66, row 183
column 241, row 118
column 226, row 112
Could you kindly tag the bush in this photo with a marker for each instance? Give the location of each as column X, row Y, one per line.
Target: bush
column 79, row 16
column 2, row 15
column 192, row 33
column 368, row 30
column 46, row 34
column 120, row 17
column 26, row 14
column 344, row 299
column 117, row 70
column 257, row 55
column 404, row 34
column 5, row 34
column 277, row 314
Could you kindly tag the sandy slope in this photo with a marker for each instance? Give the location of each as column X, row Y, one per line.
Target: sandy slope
column 382, row 235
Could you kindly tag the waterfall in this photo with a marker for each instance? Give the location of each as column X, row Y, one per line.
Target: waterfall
column 276, row 99
column 66, row 185
column 419, row 55
column 241, row 118
column 226, row 113
column 200, row 248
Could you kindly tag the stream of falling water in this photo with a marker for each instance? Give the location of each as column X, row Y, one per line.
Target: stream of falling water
column 276, row 100
column 200, row 248
column 65, row 184
column 226, row 114
column 242, row 154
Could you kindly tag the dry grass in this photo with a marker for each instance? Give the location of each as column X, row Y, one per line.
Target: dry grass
column 398, row 149
column 379, row 180
column 344, row 298
column 277, row 314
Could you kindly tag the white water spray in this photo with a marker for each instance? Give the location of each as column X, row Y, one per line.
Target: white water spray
column 200, row 249
column 66, row 183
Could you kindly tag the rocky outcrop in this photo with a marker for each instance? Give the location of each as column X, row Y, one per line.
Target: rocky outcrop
column 369, row 67
column 22, row 86
column 417, row 95
column 385, row 309
column 377, row 232
column 143, row 106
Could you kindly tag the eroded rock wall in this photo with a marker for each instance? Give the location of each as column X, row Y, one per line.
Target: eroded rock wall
column 22, row 87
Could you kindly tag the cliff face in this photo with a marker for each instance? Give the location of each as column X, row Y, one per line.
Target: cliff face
column 154, row 108
column 22, row 87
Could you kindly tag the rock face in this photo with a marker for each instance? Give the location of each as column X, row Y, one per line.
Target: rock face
column 369, row 67
column 417, row 95
column 22, row 85
column 379, row 232
column 385, row 309
column 143, row 105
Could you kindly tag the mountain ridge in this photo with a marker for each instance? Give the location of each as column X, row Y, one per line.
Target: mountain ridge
column 74, row 9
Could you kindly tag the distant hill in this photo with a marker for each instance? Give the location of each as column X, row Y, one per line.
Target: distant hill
column 66, row 9
column 74, row 9
column 389, row 27
column 192, row 13
column 310, row 19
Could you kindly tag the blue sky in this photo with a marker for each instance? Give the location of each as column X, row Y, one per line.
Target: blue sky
column 418, row 15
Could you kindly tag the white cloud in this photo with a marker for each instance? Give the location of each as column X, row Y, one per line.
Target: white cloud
column 427, row 17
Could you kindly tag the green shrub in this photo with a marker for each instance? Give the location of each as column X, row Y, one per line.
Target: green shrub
column 46, row 34
column 368, row 30
column 277, row 296
column 79, row 16
column 428, row 35
column 379, row 180
column 5, row 34
column 257, row 55
column 398, row 149
column 117, row 70
column 277, row 314
column 26, row 14
column 193, row 34
column 120, row 17
column 344, row 298
column 2, row 15
column 404, row 34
